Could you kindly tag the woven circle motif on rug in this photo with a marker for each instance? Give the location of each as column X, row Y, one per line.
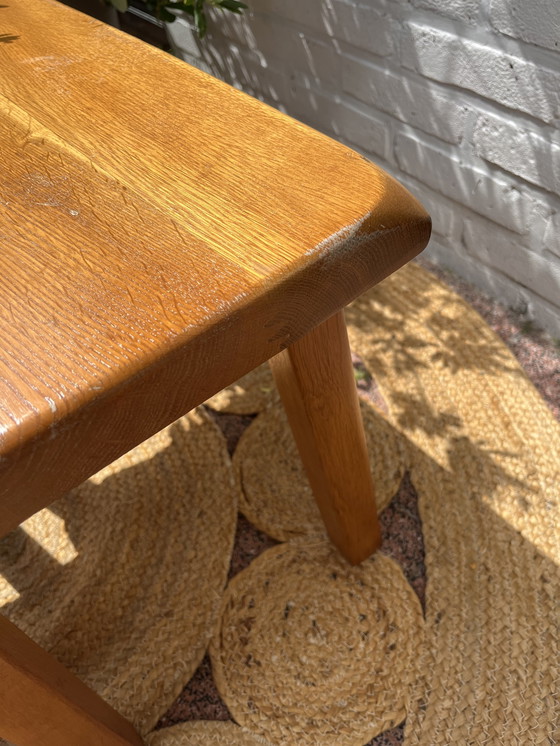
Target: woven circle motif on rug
column 205, row 733
column 122, row 579
column 274, row 491
column 311, row 650
column 252, row 393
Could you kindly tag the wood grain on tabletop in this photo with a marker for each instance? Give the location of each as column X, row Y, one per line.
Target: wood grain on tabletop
column 162, row 234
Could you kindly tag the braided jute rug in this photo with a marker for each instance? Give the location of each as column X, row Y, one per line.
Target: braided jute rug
column 310, row 650
column 483, row 451
column 205, row 733
column 306, row 649
column 278, row 500
column 252, row 393
column 122, row 579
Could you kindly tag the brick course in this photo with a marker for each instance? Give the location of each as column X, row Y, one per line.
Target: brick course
column 519, row 150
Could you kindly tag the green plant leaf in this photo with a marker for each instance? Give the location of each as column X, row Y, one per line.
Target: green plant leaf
column 194, row 8
column 185, row 7
column 200, row 18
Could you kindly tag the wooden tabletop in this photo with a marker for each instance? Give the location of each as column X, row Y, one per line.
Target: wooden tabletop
column 161, row 234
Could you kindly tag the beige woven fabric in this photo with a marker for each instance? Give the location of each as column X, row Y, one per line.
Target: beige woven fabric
column 251, row 394
column 311, row 650
column 274, row 491
column 205, row 733
column 122, row 579
column 485, row 455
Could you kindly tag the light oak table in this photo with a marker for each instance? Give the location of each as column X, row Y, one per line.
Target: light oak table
column 161, row 235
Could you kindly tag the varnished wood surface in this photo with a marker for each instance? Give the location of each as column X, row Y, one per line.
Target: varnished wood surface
column 43, row 704
column 161, row 234
column 315, row 379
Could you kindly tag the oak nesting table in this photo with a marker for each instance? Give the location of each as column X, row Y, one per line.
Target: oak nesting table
column 161, row 235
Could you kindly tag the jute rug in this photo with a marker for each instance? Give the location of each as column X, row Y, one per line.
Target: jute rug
column 484, row 455
column 278, row 500
column 251, row 394
column 311, row 650
column 122, row 579
column 205, row 733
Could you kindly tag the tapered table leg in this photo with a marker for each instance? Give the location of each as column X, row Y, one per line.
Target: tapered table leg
column 316, row 382
column 42, row 703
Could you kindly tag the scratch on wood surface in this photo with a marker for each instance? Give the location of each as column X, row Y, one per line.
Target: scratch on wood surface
column 85, row 261
column 179, row 232
column 109, row 231
column 164, row 309
column 178, row 309
column 103, row 222
column 73, row 190
column 138, row 211
column 91, row 203
column 132, row 203
column 95, row 215
column 27, row 134
column 102, row 281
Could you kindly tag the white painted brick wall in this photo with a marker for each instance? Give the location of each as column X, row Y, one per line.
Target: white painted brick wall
column 518, row 149
column 552, row 235
column 495, row 249
column 494, row 196
column 534, row 21
column 489, row 71
column 459, row 99
column 341, row 119
column 363, row 26
column 437, row 113
column 465, row 10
